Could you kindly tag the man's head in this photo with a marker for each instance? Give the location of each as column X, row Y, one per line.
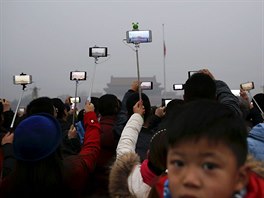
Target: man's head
column 198, row 86
column 108, row 104
column 207, row 151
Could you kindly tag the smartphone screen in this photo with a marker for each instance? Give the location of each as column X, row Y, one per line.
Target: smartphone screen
column 247, row 86
column 75, row 100
column 177, row 86
column 146, row 85
column 78, row 75
column 22, row 79
column 165, row 101
column 139, row 36
column 98, row 51
column 190, row 73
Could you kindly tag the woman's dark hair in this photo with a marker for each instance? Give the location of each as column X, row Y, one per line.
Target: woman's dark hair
column 40, row 105
column 133, row 99
column 213, row 121
column 43, row 178
column 158, row 152
column 60, row 106
column 108, row 104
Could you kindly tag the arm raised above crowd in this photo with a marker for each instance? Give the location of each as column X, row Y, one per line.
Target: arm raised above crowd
column 91, row 145
column 128, row 139
column 224, row 94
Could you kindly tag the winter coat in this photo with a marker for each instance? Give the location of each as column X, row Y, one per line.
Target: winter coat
column 226, row 97
column 76, row 168
column 256, row 141
column 128, row 177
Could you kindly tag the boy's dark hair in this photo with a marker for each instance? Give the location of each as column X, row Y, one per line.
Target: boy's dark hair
column 133, row 99
column 210, row 120
column 199, row 86
column 40, row 105
column 108, row 105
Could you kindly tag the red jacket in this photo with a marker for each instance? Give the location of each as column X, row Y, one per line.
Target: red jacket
column 78, row 167
column 255, row 187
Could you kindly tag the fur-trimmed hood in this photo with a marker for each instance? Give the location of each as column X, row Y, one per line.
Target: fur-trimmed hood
column 119, row 173
column 255, row 165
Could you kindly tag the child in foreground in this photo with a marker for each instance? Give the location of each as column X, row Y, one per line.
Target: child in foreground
column 207, row 155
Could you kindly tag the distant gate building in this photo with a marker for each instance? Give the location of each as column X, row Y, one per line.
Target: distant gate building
column 120, row 85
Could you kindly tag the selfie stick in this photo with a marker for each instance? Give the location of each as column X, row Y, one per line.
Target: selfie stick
column 18, row 104
column 138, row 75
column 92, row 81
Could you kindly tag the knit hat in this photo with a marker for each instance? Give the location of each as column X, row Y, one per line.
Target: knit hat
column 36, row 137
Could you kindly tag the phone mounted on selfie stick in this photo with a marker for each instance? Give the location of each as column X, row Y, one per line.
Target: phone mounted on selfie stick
column 76, row 76
column 136, row 37
column 95, row 52
column 24, row 80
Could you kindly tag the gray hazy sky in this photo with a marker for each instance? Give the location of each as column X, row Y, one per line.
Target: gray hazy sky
column 48, row 39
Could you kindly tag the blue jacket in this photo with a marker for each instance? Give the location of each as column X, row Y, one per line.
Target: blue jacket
column 256, row 141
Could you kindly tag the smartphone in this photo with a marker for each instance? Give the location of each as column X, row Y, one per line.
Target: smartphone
column 190, row 73
column 139, row 36
column 247, row 86
column 165, row 101
column 97, row 51
column 146, row 85
column 78, row 75
column 22, row 110
column 75, row 100
column 22, row 79
column 236, row 92
column 178, row 86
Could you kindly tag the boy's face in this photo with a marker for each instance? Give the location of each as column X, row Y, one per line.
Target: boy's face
column 199, row 169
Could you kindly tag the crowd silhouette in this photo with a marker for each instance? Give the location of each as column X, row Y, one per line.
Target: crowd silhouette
column 208, row 144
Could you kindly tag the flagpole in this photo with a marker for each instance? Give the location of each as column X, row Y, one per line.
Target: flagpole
column 164, row 60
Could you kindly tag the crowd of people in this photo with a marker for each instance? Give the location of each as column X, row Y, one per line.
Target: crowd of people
column 209, row 144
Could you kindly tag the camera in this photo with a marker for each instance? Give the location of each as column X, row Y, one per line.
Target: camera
column 78, row 75
column 138, row 36
column 147, row 85
column 98, row 51
column 247, row 86
column 165, row 101
column 22, row 79
column 178, row 86
column 75, row 100
column 190, row 73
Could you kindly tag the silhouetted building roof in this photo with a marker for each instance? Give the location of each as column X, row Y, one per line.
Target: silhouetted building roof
column 120, row 85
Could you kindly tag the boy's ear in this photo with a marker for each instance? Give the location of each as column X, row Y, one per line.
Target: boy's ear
column 242, row 178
